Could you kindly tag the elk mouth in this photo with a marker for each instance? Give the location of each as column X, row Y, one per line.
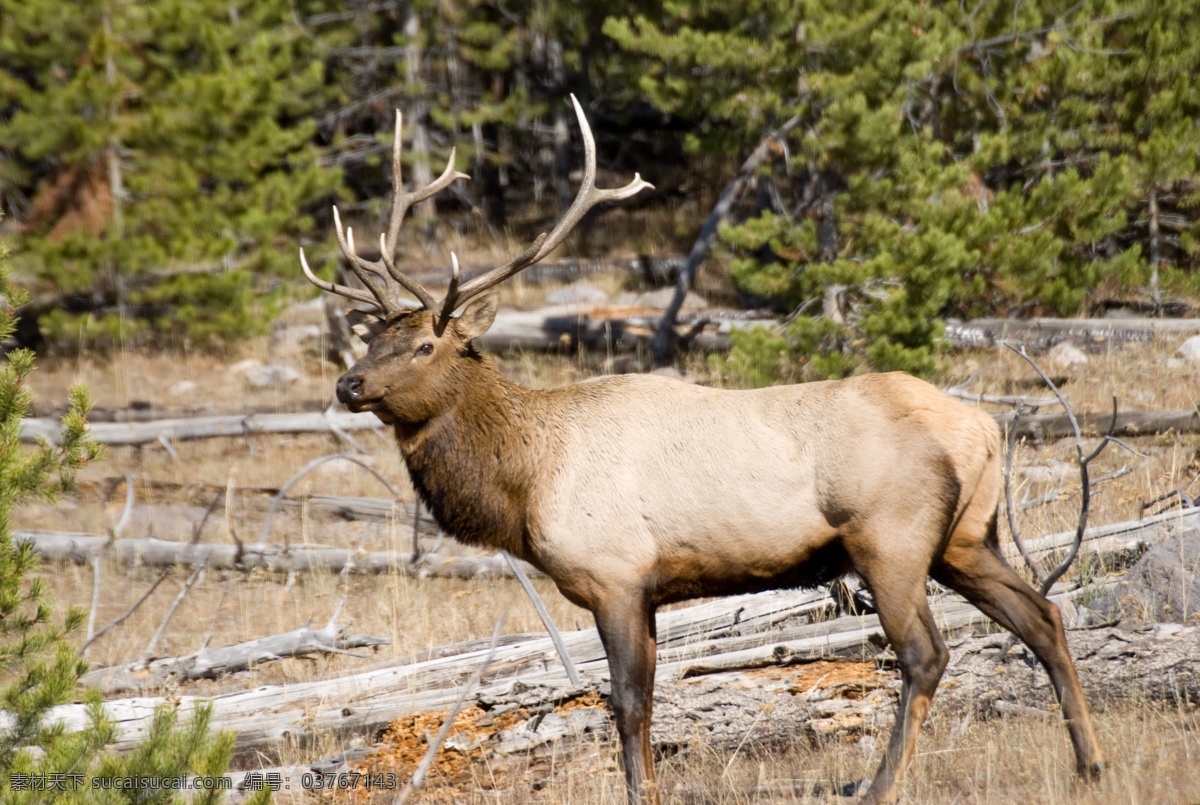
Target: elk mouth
column 352, row 393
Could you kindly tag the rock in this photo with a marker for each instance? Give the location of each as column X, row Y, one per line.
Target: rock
column 271, row 375
column 624, row 299
column 1065, row 357
column 1163, row 586
column 242, row 367
column 167, row 522
column 1053, row 472
column 294, row 340
column 182, row 389
column 669, row 371
column 577, row 293
column 662, row 297
column 1189, row 350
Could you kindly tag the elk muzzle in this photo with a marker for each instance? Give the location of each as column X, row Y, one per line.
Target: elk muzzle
column 350, row 391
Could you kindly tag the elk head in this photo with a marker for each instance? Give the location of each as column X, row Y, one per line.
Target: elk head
column 413, row 352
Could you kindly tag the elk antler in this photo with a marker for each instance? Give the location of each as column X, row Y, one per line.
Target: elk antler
column 401, row 201
column 589, row 196
column 456, row 296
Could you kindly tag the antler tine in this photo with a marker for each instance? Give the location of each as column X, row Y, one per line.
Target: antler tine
column 340, row 290
column 401, row 201
column 359, row 266
column 452, row 291
column 412, row 286
column 589, row 196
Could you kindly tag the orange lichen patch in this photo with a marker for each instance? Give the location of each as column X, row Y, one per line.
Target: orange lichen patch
column 590, row 699
column 852, row 679
column 857, row 678
column 455, row 768
column 406, row 741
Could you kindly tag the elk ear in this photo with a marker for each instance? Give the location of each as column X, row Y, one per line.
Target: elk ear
column 477, row 316
column 365, row 325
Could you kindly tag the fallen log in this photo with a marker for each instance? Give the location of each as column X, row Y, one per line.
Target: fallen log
column 570, row 327
column 1130, row 538
column 1039, row 335
column 169, row 430
column 79, row 548
column 212, row 663
column 1045, row 427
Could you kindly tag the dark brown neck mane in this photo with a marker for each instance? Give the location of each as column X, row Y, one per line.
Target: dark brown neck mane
column 473, row 463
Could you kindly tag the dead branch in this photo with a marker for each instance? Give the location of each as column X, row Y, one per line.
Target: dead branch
column 547, row 621
column 1059, row 494
column 93, row 638
column 998, row 399
column 1041, row 334
column 151, row 552
column 140, row 433
column 1011, row 441
column 91, row 624
column 664, row 337
column 1048, row 580
column 197, row 574
column 211, row 664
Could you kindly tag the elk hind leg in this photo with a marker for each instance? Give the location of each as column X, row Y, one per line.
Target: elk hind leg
column 982, row 576
column 627, row 630
column 921, row 655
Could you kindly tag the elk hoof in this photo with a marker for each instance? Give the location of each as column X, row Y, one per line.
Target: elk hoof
column 1091, row 772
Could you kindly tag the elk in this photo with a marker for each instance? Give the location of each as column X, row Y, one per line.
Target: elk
column 635, row 491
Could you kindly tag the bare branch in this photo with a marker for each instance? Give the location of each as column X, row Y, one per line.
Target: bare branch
column 197, row 574
column 559, row 646
column 91, row 625
column 118, row 530
column 1011, row 440
column 128, row 612
column 1084, row 483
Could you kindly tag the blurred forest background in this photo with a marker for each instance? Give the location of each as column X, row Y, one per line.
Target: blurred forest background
column 160, row 162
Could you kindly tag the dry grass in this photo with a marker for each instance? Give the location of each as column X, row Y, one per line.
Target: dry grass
column 1005, row 761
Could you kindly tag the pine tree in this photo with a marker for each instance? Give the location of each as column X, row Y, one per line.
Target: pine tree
column 996, row 158
column 170, row 137
column 39, row 668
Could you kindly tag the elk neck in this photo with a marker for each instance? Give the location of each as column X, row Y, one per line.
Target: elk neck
column 473, row 462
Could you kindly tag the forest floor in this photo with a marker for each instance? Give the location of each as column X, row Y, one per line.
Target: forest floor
column 1153, row 752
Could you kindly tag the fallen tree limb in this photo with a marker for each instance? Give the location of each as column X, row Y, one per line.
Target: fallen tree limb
column 138, row 433
column 1039, row 335
column 1045, row 427
column 212, row 663
column 151, row 552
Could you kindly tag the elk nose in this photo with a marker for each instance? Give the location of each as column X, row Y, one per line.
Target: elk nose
column 349, row 388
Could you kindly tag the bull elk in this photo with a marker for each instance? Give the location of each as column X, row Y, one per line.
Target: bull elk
column 632, row 492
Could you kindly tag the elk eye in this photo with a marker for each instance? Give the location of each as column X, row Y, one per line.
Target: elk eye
column 425, row 349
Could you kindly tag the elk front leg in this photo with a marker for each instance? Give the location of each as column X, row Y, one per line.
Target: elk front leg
column 627, row 630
